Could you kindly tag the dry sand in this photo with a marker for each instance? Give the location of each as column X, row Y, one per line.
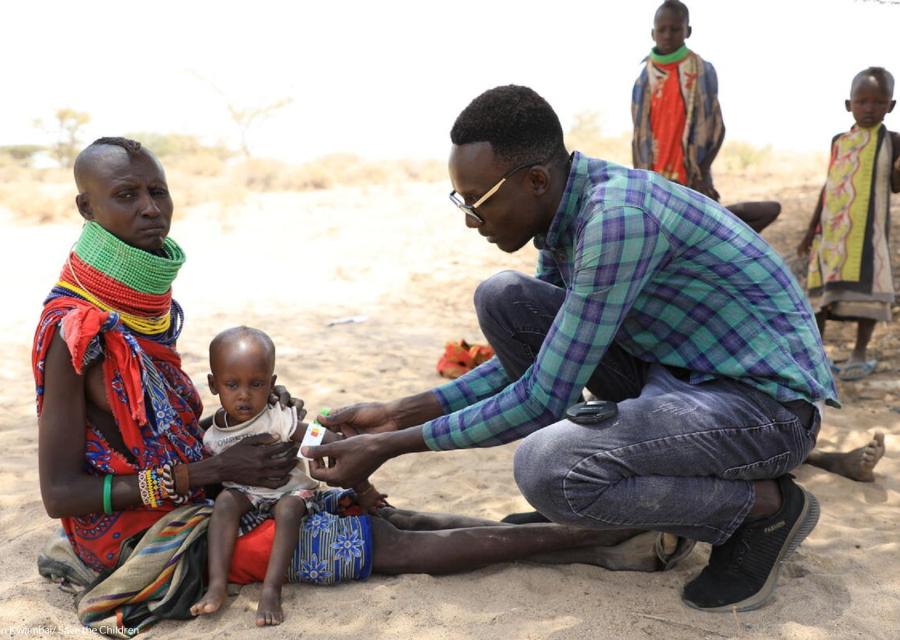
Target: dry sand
column 401, row 256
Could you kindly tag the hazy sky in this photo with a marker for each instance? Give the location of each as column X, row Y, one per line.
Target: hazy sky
column 387, row 79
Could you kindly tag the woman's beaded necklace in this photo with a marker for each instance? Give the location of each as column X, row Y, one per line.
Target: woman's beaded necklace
column 133, row 283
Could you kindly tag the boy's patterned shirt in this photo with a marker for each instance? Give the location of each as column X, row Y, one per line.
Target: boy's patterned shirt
column 673, row 278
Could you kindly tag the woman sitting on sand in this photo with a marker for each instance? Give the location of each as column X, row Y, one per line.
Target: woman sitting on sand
column 121, row 460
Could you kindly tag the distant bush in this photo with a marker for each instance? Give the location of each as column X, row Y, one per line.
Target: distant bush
column 737, row 155
column 586, row 136
column 21, row 154
column 173, row 145
column 259, row 174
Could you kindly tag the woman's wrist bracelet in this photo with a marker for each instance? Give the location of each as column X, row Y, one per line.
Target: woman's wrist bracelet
column 107, row 494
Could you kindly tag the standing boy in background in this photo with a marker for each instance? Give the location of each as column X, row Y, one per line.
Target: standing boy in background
column 678, row 127
column 850, row 277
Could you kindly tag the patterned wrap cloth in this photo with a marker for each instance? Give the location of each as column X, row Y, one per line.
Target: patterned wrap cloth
column 678, row 125
column 850, row 263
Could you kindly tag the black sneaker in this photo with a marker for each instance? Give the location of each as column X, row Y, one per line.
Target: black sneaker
column 742, row 572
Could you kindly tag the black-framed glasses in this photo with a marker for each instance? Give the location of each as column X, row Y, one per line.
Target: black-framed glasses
column 469, row 209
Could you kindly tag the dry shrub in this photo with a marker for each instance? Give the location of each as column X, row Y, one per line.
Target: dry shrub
column 331, row 171
column 739, row 156
column 200, row 163
column 37, row 195
column 204, row 176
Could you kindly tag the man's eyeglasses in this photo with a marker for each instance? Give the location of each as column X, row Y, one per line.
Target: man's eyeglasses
column 469, row 209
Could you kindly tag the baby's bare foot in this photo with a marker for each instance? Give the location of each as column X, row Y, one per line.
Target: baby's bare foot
column 858, row 464
column 210, row 602
column 269, row 610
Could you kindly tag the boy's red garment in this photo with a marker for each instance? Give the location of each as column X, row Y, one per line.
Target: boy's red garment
column 667, row 120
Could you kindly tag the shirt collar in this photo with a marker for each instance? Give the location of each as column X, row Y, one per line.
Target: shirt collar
column 569, row 205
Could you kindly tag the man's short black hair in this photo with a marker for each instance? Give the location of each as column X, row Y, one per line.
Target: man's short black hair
column 882, row 76
column 678, row 7
column 520, row 125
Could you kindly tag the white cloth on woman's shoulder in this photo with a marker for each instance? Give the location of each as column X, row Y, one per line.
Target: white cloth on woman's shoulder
column 275, row 420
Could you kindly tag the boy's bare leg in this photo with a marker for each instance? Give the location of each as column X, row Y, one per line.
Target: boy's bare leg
column 222, row 532
column 757, row 215
column 864, row 331
column 452, row 550
column 288, row 512
column 858, row 464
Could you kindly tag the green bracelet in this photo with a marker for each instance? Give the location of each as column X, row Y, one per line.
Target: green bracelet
column 107, row 494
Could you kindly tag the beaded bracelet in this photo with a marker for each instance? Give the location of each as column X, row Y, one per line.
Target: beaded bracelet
column 168, row 482
column 107, row 494
column 143, row 488
column 168, row 476
column 153, row 487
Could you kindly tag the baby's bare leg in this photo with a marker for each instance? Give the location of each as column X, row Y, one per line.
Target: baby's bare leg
column 288, row 512
column 222, row 532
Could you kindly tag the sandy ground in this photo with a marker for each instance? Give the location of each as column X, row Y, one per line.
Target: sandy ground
column 401, row 257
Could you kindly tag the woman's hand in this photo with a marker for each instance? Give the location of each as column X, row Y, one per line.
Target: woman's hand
column 366, row 417
column 259, row 461
column 282, row 396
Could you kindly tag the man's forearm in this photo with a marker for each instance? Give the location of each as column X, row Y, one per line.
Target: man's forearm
column 394, row 443
column 415, row 410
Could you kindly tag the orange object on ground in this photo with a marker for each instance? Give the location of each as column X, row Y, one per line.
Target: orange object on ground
column 460, row 357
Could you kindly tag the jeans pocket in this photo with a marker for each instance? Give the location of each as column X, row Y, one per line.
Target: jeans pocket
column 773, row 467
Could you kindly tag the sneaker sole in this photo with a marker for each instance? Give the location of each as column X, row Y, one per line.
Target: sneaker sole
column 807, row 521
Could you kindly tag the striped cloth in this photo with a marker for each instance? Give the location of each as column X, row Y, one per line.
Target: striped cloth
column 669, row 275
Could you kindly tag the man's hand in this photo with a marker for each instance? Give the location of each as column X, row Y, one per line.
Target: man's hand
column 350, row 462
column 258, row 461
column 366, row 417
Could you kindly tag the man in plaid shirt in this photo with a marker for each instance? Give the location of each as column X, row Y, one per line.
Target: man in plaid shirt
column 658, row 301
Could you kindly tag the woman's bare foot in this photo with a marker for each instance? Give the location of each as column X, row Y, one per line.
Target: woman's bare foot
column 210, row 602
column 858, row 464
column 269, row 610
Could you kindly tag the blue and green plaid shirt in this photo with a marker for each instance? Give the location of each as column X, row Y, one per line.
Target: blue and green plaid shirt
column 669, row 275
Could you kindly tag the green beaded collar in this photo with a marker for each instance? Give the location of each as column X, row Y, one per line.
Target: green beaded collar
column 676, row 56
column 133, row 267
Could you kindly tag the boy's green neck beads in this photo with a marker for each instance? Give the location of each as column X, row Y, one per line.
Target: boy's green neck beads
column 676, row 56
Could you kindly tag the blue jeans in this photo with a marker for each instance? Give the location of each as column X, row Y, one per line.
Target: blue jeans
column 678, row 457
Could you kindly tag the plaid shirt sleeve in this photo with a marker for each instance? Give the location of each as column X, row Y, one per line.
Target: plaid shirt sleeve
column 481, row 382
column 547, row 269
column 616, row 253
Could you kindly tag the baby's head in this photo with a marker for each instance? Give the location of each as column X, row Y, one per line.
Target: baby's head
column 871, row 96
column 671, row 27
column 242, row 366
